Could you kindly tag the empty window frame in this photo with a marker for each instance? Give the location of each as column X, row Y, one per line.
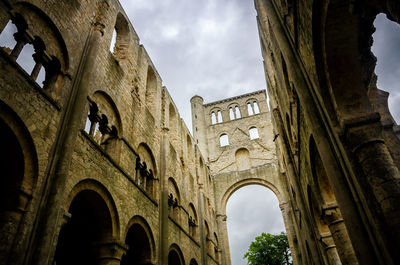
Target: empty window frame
column 223, row 140
column 231, row 114
column 250, row 109
column 213, row 118
column 256, row 108
column 253, row 131
column 219, row 116
column 237, row 112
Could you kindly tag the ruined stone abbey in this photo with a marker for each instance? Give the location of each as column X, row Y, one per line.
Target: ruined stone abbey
column 97, row 167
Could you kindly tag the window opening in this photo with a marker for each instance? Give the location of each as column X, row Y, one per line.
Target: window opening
column 253, row 133
column 231, row 114
column 237, row 112
column 223, row 140
column 113, row 40
column 25, row 58
column 385, row 46
column 213, row 118
column 7, row 39
column 41, row 77
column 256, row 109
column 250, row 109
column 219, row 116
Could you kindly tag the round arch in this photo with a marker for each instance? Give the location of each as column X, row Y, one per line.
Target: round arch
column 175, row 255
column 101, row 97
column 240, row 184
column 101, row 190
column 139, row 230
column 19, row 174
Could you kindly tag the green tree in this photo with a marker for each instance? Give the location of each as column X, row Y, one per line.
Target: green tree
column 269, row 249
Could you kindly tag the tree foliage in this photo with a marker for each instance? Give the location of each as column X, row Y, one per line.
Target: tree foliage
column 269, row 250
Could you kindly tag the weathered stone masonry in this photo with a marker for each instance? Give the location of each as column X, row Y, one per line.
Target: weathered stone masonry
column 99, row 168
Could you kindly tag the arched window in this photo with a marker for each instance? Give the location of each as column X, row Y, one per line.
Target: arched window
column 146, row 171
column 219, row 116
column 29, row 51
column 253, row 133
column 213, row 118
column 223, row 140
column 174, row 200
column 256, row 108
column 237, row 112
column 151, row 90
column 113, row 40
column 193, row 223
column 250, row 109
column 103, row 123
column 231, row 114
column 120, row 37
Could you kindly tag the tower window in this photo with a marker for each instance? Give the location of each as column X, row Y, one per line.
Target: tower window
column 223, row 140
column 213, row 118
column 237, row 112
column 231, row 114
column 256, row 108
column 253, row 133
column 219, row 116
column 250, row 109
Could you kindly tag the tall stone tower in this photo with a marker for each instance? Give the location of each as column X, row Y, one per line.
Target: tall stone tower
column 234, row 134
column 236, row 137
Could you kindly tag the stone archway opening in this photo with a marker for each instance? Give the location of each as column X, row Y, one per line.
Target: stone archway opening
column 90, row 224
column 139, row 247
column 251, row 210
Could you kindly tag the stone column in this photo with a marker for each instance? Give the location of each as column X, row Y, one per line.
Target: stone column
column 362, row 228
column 164, row 243
column 46, row 228
column 10, row 222
column 332, row 217
column 109, row 252
column 330, row 250
column 223, row 239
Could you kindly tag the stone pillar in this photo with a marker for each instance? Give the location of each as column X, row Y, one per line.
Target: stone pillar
column 223, row 239
column 289, row 226
column 10, row 222
column 381, row 174
column 203, row 240
column 109, row 252
column 330, row 250
column 362, row 228
column 332, row 217
column 46, row 228
column 164, row 243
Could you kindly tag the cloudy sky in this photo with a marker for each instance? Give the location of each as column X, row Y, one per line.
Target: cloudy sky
column 211, row 48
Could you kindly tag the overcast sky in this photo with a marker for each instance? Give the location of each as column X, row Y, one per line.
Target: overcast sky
column 211, row 48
